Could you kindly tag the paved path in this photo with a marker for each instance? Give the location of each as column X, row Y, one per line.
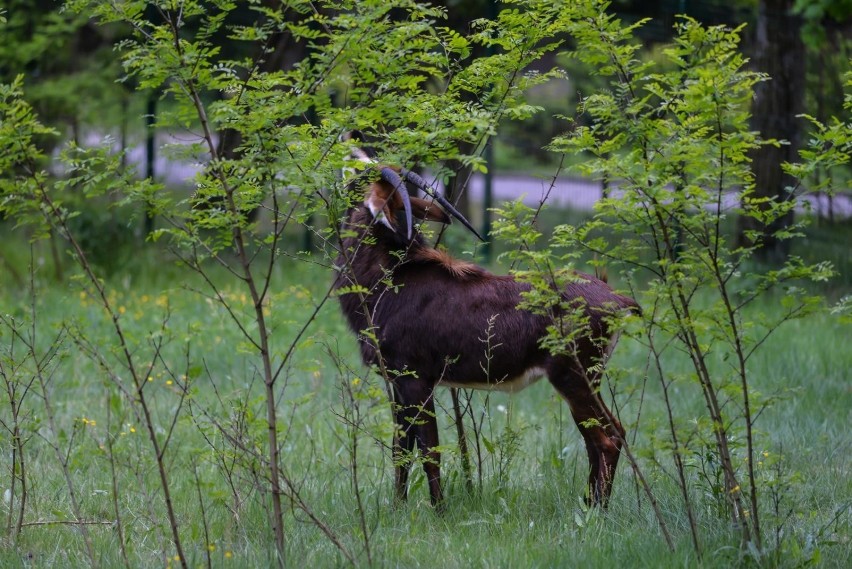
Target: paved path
column 581, row 194
column 575, row 193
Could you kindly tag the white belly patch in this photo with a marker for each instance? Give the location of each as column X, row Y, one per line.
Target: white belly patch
column 509, row 384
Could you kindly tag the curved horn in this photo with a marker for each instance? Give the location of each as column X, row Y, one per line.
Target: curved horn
column 421, row 183
column 415, row 179
column 391, row 177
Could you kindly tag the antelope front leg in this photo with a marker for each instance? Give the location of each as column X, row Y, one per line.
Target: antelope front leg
column 415, row 413
column 403, row 447
column 427, row 439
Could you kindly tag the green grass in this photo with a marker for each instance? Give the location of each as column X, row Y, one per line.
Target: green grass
column 527, row 512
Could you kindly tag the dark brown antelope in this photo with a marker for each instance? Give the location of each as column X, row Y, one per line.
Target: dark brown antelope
column 420, row 315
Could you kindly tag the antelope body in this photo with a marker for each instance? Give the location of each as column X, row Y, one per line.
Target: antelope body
column 430, row 313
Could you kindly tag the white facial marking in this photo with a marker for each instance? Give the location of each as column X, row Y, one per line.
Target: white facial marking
column 362, row 156
column 358, row 154
column 376, row 208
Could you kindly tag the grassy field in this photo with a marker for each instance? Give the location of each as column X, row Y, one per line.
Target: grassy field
column 526, row 509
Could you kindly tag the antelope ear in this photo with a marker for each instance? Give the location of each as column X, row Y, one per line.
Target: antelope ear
column 378, row 206
column 423, row 209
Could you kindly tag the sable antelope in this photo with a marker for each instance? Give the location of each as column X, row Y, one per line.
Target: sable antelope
column 427, row 312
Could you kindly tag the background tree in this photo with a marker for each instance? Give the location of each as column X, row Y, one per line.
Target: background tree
column 827, row 34
column 779, row 52
column 70, row 71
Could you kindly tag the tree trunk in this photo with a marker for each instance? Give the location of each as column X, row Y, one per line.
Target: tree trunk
column 456, row 190
column 281, row 54
column 778, row 51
